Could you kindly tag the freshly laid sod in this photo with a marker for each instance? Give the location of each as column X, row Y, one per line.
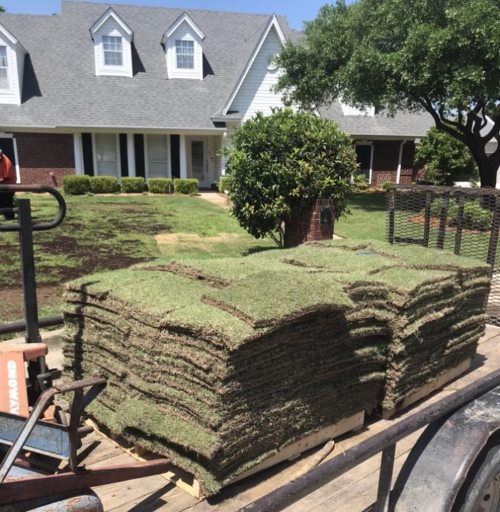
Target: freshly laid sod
column 105, row 233
column 219, row 363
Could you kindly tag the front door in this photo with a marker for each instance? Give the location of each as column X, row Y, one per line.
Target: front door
column 198, row 161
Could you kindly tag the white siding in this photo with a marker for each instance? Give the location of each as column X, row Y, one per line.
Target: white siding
column 15, row 60
column 184, row 33
column 112, row 28
column 255, row 94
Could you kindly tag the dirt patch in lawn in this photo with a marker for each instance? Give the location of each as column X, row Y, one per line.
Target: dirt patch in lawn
column 193, row 239
column 12, row 300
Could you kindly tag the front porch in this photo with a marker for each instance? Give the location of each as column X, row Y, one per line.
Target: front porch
column 150, row 155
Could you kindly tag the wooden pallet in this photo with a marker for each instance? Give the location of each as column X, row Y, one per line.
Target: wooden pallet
column 188, row 483
column 429, row 388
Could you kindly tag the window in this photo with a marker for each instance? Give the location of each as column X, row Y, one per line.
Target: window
column 157, row 156
column 106, row 154
column 112, row 46
column 4, row 79
column 184, row 51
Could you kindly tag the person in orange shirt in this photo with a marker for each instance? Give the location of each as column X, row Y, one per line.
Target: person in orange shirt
column 7, row 177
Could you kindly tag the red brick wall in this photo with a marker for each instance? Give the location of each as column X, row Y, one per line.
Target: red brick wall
column 386, row 159
column 45, row 157
column 306, row 226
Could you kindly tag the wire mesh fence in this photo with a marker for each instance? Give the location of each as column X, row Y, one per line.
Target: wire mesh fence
column 464, row 221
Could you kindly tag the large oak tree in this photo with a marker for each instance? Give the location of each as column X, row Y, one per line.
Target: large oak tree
column 442, row 56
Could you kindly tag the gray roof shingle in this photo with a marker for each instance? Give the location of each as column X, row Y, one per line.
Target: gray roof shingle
column 61, row 89
column 403, row 124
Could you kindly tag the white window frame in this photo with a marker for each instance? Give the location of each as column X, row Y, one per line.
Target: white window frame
column 146, row 154
column 117, row 150
column 184, row 51
column 4, row 65
column 112, row 41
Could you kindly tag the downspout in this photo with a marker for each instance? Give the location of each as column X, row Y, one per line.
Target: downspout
column 400, row 159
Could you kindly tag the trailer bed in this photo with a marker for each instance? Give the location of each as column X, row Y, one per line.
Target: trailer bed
column 355, row 491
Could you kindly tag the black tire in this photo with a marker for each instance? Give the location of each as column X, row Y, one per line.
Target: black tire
column 481, row 490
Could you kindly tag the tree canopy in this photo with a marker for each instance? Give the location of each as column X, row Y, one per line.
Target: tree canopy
column 279, row 163
column 442, row 56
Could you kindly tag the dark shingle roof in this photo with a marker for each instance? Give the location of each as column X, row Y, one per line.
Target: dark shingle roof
column 403, row 124
column 61, row 89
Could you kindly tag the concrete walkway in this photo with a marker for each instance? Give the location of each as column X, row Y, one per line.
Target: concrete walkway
column 215, row 198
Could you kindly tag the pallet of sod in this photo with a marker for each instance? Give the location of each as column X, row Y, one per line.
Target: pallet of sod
column 219, row 364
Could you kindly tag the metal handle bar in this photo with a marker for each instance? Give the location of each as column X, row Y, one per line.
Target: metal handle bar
column 40, row 226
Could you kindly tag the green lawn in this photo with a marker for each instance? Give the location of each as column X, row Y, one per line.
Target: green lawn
column 110, row 232
column 367, row 218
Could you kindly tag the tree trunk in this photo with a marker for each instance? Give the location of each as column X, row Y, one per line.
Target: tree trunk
column 486, row 164
column 488, row 169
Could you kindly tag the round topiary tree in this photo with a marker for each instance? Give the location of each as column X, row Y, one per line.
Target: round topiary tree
column 279, row 164
column 445, row 159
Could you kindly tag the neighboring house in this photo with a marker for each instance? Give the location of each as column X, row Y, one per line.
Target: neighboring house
column 385, row 146
column 156, row 92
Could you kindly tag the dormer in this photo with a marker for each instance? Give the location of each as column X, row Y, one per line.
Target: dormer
column 112, row 39
column 183, row 49
column 12, row 56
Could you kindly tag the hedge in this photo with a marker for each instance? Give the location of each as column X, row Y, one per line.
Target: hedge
column 475, row 216
column 160, row 185
column 133, row 185
column 76, row 185
column 186, row 186
column 104, row 184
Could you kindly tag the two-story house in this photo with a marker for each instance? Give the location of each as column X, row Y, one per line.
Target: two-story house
column 121, row 90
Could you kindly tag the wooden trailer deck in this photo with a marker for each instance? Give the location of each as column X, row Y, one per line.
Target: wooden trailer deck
column 355, row 491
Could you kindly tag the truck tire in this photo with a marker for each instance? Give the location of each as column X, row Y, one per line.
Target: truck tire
column 481, row 490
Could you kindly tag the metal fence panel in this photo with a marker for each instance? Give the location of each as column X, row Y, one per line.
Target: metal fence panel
column 465, row 221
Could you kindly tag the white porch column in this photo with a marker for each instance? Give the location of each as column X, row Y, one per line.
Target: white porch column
column 78, row 153
column 131, row 155
column 400, row 159
column 182, row 156
column 169, row 157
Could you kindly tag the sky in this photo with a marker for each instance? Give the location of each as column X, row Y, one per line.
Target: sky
column 297, row 11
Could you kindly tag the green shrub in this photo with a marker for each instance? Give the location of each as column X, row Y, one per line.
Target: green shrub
column 387, row 185
column 186, row 186
column 360, row 182
column 76, row 185
column 160, row 185
column 104, row 184
column 279, row 164
column 133, row 185
column 223, row 184
column 475, row 216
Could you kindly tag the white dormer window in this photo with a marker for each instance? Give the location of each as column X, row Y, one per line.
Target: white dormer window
column 4, row 68
column 112, row 45
column 113, row 53
column 184, row 51
column 12, row 55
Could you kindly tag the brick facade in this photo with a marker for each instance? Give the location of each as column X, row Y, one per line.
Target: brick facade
column 386, row 160
column 309, row 225
column 44, row 158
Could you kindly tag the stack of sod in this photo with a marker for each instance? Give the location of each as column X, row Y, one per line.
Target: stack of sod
column 217, row 364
